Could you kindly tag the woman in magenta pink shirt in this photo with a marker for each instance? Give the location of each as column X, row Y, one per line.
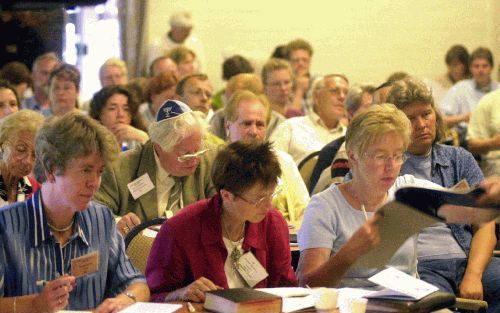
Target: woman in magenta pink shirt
column 208, row 244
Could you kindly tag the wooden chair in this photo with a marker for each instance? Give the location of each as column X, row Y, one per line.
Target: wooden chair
column 306, row 166
column 138, row 245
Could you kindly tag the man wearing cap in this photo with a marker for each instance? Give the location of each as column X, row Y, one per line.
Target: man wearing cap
column 181, row 25
column 165, row 174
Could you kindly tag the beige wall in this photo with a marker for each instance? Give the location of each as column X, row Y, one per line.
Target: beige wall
column 367, row 40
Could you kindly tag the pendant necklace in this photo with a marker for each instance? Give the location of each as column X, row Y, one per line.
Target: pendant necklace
column 235, row 252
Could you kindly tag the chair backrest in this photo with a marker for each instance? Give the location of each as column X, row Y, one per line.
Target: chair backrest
column 306, row 166
column 138, row 244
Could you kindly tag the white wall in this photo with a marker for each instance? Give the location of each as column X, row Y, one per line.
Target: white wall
column 367, row 40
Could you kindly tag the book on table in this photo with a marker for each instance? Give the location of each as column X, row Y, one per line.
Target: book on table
column 242, row 300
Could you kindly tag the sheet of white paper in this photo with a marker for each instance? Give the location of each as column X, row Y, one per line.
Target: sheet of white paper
column 299, row 303
column 288, row 292
column 141, row 307
column 394, row 279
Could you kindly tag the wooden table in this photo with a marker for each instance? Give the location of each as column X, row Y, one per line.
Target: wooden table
column 199, row 308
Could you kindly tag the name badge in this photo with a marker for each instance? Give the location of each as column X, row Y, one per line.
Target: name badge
column 140, row 186
column 250, row 269
column 86, row 264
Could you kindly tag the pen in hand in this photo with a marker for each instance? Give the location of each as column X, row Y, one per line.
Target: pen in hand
column 191, row 307
column 364, row 211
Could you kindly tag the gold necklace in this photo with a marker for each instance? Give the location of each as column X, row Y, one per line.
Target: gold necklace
column 64, row 229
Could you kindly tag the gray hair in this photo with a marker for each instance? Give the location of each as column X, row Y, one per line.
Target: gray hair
column 354, row 96
column 22, row 121
column 65, row 138
column 46, row 56
column 320, row 81
column 170, row 132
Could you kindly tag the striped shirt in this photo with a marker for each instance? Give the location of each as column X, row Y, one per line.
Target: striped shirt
column 29, row 253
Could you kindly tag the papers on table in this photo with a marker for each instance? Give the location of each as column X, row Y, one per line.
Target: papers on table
column 400, row 285
column 141, row 307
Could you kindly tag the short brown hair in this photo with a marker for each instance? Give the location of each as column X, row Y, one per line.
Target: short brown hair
column 235, row 65
column 481, row 53
column 242, row 164
column 179, row 54
column 179, row 89
column 275, row 64
column 411, row 90
column 298, row 44
column 66, row 72
column 62, row 139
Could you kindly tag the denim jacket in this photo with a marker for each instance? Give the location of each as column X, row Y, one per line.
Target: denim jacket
column 449, row 166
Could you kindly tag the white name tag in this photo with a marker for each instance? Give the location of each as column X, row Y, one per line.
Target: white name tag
column 250, row 269
column 140, row 186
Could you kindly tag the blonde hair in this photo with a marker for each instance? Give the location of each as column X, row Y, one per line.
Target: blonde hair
column 247, row 81
column 113, row 62
column 369, row 127
column 231, row 108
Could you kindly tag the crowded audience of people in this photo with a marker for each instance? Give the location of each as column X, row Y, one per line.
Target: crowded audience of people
column 226, row 172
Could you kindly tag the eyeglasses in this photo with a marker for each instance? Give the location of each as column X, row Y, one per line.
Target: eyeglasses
column 382, row 159
column 189, row 157
column 262, row 200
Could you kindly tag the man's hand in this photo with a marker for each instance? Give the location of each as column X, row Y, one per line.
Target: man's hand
column 127, row 222
column 471, row 287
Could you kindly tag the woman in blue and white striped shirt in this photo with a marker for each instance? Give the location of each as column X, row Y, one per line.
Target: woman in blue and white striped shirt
column 59, row 249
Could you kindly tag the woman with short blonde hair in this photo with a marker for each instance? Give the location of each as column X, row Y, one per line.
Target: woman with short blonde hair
column 341, row 224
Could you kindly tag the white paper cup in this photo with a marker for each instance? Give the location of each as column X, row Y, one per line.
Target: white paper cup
column 327, row 300
column 359, row 305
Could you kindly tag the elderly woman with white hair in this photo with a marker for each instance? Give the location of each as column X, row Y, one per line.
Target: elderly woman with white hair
column 173, row 166
column 17, row 136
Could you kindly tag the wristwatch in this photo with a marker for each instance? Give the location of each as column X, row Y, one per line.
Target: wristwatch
column 131, row 296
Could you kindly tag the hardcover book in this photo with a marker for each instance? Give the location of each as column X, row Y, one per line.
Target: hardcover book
column 242, row 300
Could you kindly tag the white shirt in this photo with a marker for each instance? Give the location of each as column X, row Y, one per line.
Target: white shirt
column 164, row 183
column 161, row 45
column 301, row 136
column 484, row 124
column 294, row 197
